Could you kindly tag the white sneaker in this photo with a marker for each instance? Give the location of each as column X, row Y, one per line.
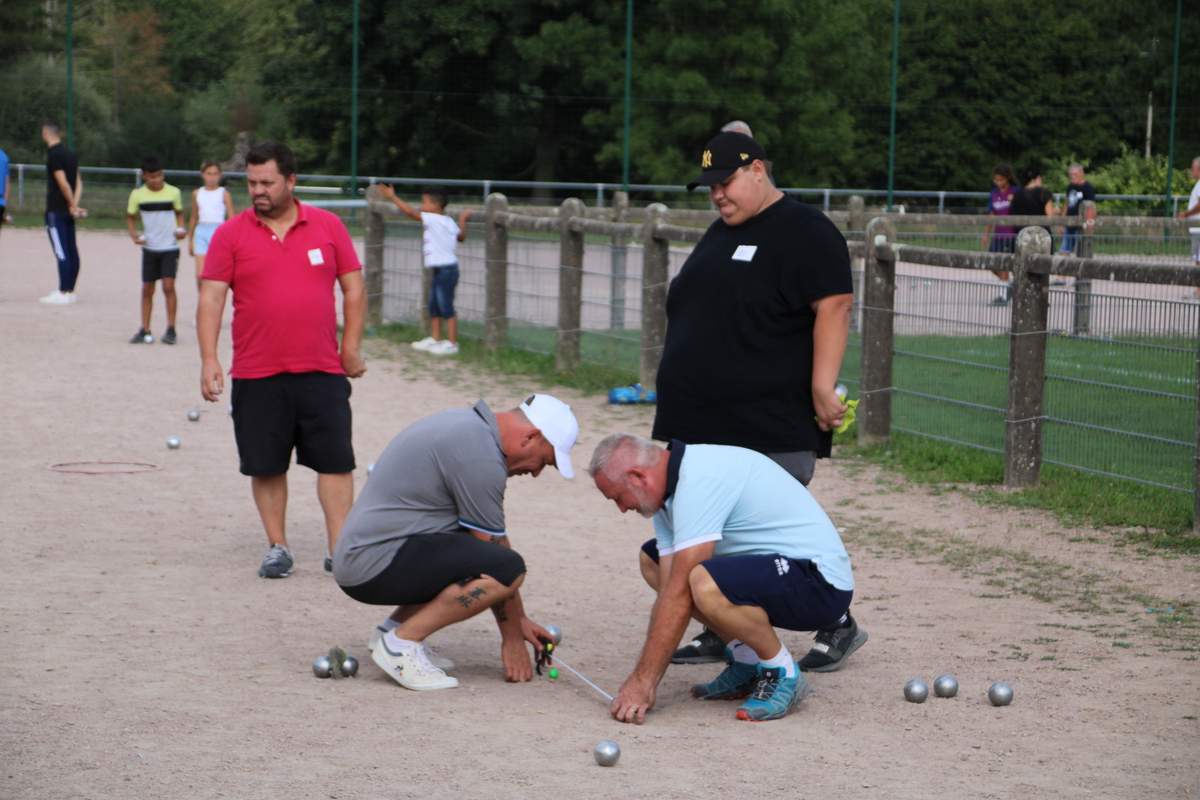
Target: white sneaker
column 441, row 662
column 411, row 668
column 444, row 348
column 55, row 298
column 71, row 297
column 425, row 343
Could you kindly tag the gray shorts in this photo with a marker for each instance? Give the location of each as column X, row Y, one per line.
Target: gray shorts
column 800, row 464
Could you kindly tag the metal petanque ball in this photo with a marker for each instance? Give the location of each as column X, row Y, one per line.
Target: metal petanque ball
column 350, row 666
column 193, row 415
column 322, row 667
column 555, row 635
column 945, row 686
column 607, row 752
column 916, row 691
column 173, row 442
column 1000, row 694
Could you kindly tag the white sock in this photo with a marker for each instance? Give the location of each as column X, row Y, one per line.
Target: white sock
column 742, row 652
column 389, row 625
column 396, row 644
column 783, row 659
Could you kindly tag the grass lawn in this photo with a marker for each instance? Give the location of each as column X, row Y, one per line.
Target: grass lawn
column 1126, row 408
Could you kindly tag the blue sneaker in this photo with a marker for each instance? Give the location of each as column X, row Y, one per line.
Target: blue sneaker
column 774, row 695
column 277, row 563
column 735, row 682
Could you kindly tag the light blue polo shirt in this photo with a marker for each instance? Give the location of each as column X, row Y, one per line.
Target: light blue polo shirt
column 748, row 505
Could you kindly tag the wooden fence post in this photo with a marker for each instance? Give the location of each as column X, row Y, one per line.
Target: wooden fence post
column 1084, row 248
column 373, row 277
column 655, row 263
column 878, row 330
column 620, row 249
column 495, row 325
column 570, row 287
column 1026, row 362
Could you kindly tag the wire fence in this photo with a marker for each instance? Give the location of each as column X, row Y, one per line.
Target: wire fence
column 1120, row 355
column 1119, row 401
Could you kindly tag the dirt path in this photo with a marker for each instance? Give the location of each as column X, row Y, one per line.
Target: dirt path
column 145, row 659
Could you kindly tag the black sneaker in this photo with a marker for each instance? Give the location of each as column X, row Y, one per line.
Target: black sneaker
column 169, row 336
column 707, row 648
column 142, row 336
column 832, row 647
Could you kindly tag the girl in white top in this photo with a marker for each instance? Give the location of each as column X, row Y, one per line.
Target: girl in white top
column 211, row 205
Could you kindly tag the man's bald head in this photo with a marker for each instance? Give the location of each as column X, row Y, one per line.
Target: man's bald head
column 737, row 126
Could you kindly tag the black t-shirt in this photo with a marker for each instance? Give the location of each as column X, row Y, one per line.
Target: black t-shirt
column 59, row 157
column 1076, row 194
column 737, row 362
column 1031, row 202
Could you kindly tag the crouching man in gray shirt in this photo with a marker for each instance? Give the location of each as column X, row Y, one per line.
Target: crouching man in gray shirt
column 427, row 534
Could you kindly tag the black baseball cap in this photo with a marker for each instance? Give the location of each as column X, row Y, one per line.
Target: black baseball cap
column 724, row 154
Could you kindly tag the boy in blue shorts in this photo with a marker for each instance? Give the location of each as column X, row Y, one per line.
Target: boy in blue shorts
column 741, row 546
column 440, row 238
column 161, row 208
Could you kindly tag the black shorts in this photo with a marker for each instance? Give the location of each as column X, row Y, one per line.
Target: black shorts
column 309, row 411
column 792, row 591
column 159, row 264
column 427, row 563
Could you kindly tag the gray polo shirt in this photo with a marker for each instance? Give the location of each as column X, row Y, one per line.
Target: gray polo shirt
column 439, row 475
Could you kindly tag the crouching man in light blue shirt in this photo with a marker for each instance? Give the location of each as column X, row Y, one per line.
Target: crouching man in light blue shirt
column 741, row 546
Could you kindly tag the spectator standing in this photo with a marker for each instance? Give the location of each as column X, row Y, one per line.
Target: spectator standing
column 1033, row 200
column 999, row 238
column 1193, row 211
column 160, row 206
column 211, row 205
column 440, row 236
column 1078, row 191
column 5, row 188
column 64, row 190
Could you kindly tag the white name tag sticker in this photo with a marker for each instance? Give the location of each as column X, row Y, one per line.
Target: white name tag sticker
column 745, row 252
column 315, row 258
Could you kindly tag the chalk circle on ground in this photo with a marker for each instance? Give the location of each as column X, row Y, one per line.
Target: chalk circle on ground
column 103, row 467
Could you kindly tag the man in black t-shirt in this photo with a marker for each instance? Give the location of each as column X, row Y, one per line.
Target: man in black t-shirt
column 64, row 188
column 757, row 322
column 1077, row 192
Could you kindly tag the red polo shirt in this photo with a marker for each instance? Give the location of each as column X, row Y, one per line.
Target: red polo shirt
column 284, row 319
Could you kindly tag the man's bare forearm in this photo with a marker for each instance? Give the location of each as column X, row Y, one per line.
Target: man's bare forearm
column 830, row 333
column 208, row 323
column 354, row 315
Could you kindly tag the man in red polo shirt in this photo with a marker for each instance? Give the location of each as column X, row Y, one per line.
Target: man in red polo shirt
column 290, row 389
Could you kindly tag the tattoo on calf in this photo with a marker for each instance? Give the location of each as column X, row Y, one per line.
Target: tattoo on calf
column 499, row 612
column 470, row 598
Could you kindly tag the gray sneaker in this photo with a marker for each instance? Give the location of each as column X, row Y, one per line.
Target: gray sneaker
column 277, row 563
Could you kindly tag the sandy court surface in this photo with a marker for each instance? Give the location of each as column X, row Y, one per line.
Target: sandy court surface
column 146, row 659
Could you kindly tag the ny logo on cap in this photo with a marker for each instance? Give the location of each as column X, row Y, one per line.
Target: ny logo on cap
column 706, row 159
column 745, row 156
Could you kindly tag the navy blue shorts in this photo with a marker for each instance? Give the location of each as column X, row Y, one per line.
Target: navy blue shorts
column 792, row 591
column 441, row 294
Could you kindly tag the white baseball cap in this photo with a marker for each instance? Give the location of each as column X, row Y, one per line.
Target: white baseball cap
column 557, row 423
